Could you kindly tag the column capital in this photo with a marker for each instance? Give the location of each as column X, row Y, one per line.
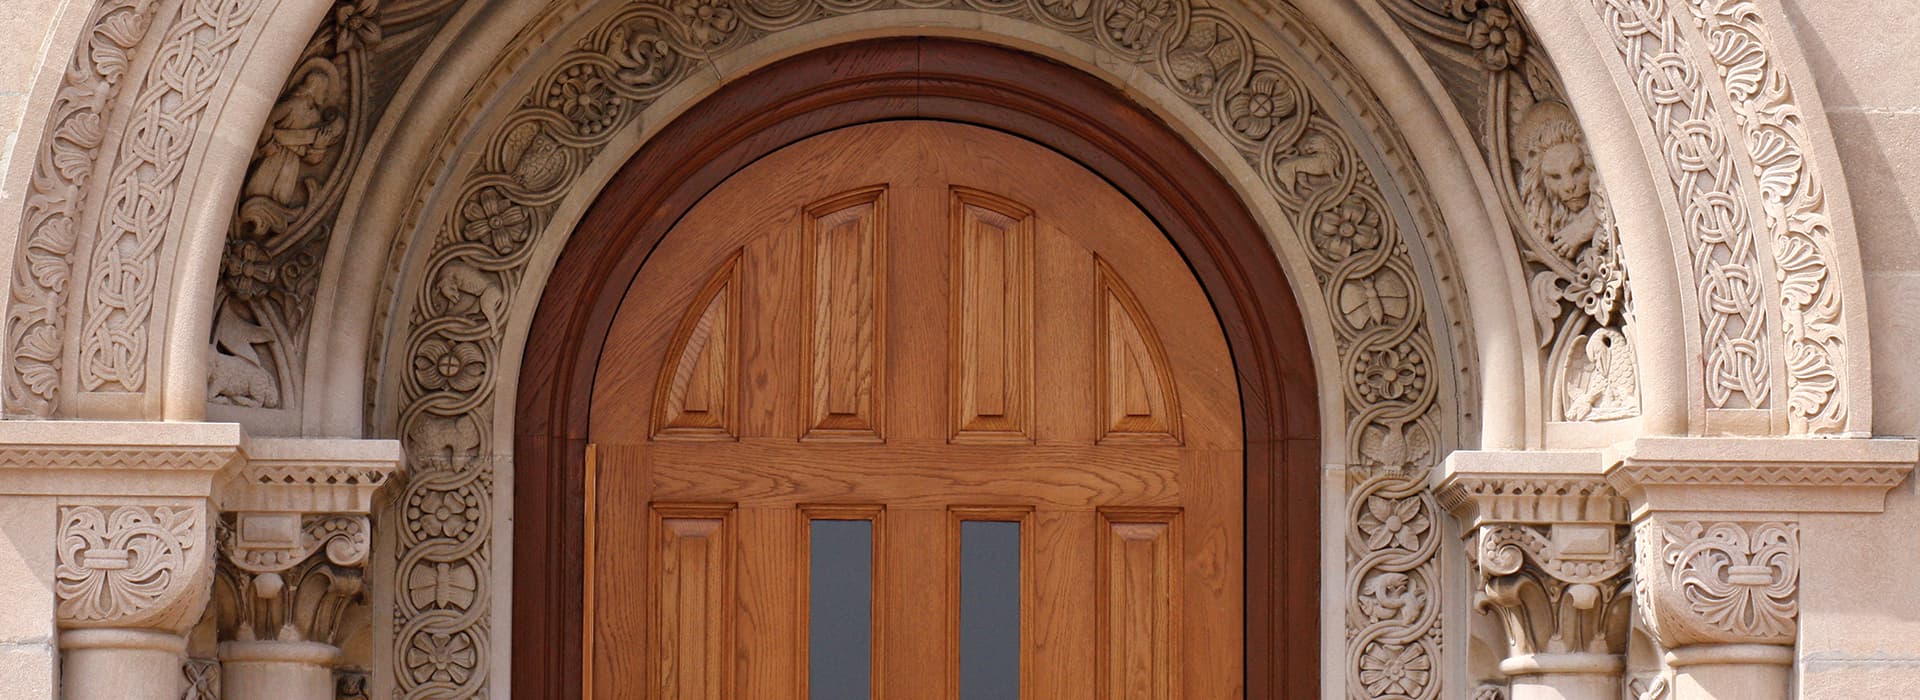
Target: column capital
column 1548, row 543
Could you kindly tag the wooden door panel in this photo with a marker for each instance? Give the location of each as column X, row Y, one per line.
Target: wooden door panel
column 916, row 323
column 992, row 316
column 845, row 374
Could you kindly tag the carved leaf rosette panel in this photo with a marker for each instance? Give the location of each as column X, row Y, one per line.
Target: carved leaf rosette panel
column 1258, row 98
column 141, row 566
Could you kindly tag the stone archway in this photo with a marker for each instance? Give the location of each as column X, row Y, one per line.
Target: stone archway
column 1741, row 231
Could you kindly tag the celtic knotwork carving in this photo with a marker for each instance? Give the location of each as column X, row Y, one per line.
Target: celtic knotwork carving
column 1793, row 199
column 1719, row 582
column 43, row 268
column 130, row 565
column 505, row 201
column 138, row 211
column 1557, row 209
column 1713, row 199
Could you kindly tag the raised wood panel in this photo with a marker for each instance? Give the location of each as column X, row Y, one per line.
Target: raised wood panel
column 1138, row 400
column 1138, row 592
column 992, row 317
column 692, row 601
column 696, row 397
column 845, row 243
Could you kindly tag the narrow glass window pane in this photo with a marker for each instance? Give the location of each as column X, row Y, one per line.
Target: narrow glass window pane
column 840, row 614
column 989, row 610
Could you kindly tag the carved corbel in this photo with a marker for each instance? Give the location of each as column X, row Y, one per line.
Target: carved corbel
column 1551, row 555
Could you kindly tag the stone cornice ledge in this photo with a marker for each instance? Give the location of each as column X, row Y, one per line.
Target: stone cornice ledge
column 53, row 458
column 1537, row 487
column 194, row 460
column 1760, row 475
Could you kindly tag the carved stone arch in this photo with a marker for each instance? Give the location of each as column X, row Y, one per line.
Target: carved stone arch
column 1392, row 430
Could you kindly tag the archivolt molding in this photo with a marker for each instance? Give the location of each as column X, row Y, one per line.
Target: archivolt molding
column 296, row 183
column 1793, row 198
column 137, row 215
column 1729, row 278
column 504, row 202
column 1562, row 224
column 51, row 227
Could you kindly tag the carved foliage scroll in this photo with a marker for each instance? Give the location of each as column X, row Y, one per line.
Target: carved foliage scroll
column 1256, row 98
column 50, row 232
column 131, row 565
column 1718, row 582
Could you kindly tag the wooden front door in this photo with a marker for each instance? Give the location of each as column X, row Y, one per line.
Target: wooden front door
column 922, row 341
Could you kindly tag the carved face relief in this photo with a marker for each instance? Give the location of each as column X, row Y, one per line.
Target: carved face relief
column 1563, row 169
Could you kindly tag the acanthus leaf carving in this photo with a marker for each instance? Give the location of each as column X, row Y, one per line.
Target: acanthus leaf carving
column 292, row 575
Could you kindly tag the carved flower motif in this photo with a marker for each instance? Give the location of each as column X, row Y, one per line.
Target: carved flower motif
column 495, row 221
column 1494, row 33
column 1390, row 374
column 1353, row 225
column 247, row 269
column 1255, row 111
column 445, row 513
column 708, row 21
column 1136, row 24
column 358, row 23
column 443, row 657
column 1395, row 670
column 584, row 97
column 455, row 365
column 1397, row 522
column 1598, row 289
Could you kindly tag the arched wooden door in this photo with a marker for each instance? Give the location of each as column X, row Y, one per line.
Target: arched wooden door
column 915, row 341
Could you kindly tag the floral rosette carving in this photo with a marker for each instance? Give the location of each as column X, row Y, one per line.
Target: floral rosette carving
column 532, row 157
column 131, row 565
column 1719, row 582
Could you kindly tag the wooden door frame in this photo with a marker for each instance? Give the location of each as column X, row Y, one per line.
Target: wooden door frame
column 1054, row 105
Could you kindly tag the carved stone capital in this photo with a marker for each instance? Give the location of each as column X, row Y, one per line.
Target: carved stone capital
column 1718, row 582
column 1548, row 543
column 132, row 565
column 296, row 539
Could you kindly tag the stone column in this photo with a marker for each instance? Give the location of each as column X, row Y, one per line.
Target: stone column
column 1717, row 546
column 127, row 510
column 295, row 550
column 1548, row 544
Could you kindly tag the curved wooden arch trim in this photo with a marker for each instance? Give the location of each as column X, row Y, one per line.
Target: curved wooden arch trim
column 1051, row 104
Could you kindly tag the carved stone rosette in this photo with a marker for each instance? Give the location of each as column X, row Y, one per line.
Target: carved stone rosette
column 1551, row 556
